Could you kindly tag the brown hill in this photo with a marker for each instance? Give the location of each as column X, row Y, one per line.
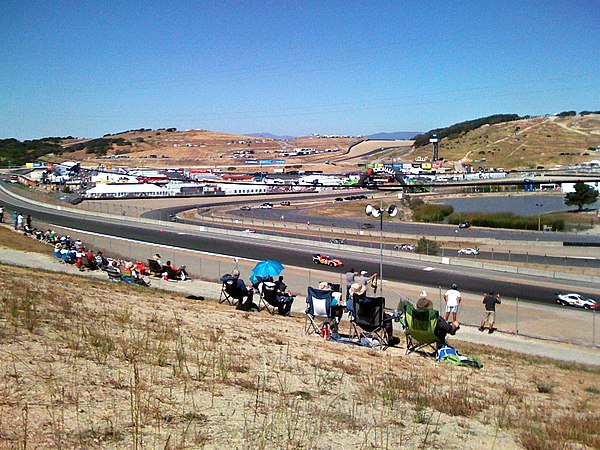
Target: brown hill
column 526, row 143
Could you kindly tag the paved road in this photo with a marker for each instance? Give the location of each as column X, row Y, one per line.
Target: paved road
column 294, row 216
column 475, row 281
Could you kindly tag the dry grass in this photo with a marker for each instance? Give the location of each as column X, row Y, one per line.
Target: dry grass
column 8, row 239
column 95, row 365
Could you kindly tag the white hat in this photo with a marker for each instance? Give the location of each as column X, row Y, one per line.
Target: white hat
column 324, row 286
column 423, row 294
column 357, row 288
column 235, row 272
column 363, row 272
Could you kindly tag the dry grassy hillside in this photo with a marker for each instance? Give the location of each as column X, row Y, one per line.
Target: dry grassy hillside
column 202, row 147
column 89, row 364
column 526, row 143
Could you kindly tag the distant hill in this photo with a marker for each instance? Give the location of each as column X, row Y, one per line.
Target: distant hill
column 526, row 142
column 394, row 135
column 271, row 136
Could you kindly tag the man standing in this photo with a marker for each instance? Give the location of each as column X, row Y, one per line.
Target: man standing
column 452, row 298
column 349, row 280
column 490, row 300
column 1, row 214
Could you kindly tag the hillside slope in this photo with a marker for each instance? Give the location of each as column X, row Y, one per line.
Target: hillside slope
column 526, row 143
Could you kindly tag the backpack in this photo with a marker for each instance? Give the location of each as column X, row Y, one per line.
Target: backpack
column 449, row 355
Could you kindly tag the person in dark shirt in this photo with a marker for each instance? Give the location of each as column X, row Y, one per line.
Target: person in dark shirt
column 490, row 300
column 442, row 328
column 239, row 291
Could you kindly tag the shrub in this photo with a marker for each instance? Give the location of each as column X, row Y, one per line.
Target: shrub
column 507, row 220
column 431, row 212
column 427, row 247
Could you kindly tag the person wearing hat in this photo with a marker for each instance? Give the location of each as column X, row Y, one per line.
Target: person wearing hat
column 442, row 328
column 452, row 298
column 490, row 300
column 237, row 289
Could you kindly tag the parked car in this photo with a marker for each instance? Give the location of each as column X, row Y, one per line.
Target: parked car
column 246, row 208
column 326, row 260
column 337, row 241
column 266, row 206
column 468, row 251
column 366, row 225
column 576, row 300
column 464, row 225
column 404, row 247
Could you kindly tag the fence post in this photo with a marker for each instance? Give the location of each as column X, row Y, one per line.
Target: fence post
column 594, row 328
column 517, row 318
column 440, row 296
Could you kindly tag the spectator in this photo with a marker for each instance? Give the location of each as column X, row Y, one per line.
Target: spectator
column 101, row 261
column 490, row 300
column 350, row 275
column 452, row 298
column 28, row 221
column 1, row 214
column 241, row 291
column 175, row 273
column 16, row 219
column 442, row 327
column 19, row 221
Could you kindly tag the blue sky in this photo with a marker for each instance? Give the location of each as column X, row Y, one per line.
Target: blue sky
column 290, row 67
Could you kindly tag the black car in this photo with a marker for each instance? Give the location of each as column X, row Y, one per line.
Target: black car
column 464, row 225
column 246, row 208
column 366, row 226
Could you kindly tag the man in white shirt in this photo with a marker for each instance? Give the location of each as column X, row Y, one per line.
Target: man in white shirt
column 452, row 298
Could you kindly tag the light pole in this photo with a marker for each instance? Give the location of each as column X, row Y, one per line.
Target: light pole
column 539, row 205
column 378, row 211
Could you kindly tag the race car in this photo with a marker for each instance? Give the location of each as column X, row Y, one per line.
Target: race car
column 576, row 300
column 468, row 251
column 326, row 260
column 405, row 247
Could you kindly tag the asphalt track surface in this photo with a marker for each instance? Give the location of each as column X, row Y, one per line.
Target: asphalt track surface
column 499, row 255
column 525, row 288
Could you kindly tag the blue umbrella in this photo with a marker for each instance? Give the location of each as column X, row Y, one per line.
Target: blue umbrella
column 263, row 269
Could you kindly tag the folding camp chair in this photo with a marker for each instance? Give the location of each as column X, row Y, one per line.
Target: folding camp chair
column 419, row 327
column 268, row 297
column 229, row 292
column 113, row 274
column 318, row 307
column 155, row 268
column 368, row 323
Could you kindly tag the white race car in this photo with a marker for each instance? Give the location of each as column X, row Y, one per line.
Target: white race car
column 576, row 300
column 468, row 251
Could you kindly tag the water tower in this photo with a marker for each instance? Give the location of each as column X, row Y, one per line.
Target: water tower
column 434, row 140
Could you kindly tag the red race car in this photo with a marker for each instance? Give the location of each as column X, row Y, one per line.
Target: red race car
column 327, row 260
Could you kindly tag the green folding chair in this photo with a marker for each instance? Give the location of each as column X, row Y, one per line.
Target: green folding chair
column 419, row 326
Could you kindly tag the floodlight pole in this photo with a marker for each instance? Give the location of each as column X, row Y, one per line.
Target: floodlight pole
column 381, row 250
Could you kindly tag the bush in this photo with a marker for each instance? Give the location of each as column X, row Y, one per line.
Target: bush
column 427, row 247
column 431, row 212
column 507, row 220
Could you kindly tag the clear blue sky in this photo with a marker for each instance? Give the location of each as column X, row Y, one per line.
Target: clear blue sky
column 87, row 68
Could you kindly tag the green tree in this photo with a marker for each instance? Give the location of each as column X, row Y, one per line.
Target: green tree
column 584, row 195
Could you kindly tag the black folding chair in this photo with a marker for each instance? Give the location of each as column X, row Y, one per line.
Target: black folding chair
column 368, row 324
column 230, row 293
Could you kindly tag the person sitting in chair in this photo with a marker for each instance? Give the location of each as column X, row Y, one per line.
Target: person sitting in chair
column 174, row 273
column 442, row 327
column 239, row 291
column 358, row 294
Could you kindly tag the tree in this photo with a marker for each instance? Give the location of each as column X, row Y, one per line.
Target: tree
column 584, row 195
